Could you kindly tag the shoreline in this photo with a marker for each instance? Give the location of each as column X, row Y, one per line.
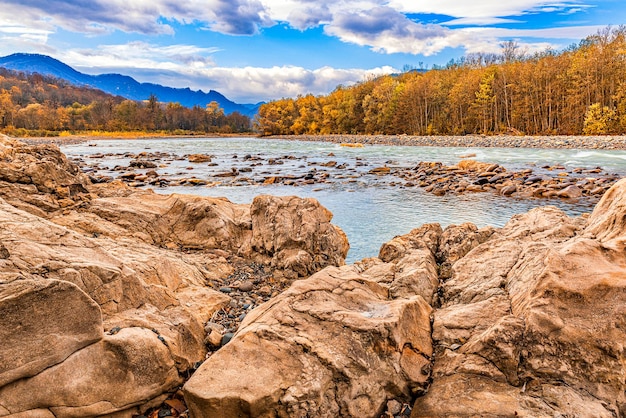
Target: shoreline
column 608, row 142
column 596, row 142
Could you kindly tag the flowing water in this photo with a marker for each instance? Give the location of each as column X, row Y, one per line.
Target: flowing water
column 370, row 209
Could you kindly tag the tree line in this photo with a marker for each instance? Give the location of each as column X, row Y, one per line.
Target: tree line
column 580, row 90
column 34, row 104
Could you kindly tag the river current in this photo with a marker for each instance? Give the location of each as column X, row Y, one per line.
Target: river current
column 370, row 209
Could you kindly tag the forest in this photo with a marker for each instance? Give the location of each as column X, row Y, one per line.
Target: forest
column 580, row 90
column 38, row 105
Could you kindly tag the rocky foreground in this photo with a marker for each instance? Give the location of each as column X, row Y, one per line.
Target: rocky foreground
column 112, row 299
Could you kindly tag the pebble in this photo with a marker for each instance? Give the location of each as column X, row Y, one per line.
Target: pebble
column 226, row 338
column 246, row 286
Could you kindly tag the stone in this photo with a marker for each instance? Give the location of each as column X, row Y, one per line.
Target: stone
column 31, row 176
column 330, row 345
column 570, row 192
column 103, row 378
column 527, row 324
column 199, row 158
column 607, row 223
column 508, row 190
column 246, row 286
column 43, row 323
column 297, row 234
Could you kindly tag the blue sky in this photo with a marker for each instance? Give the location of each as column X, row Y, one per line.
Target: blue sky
column 259, row 50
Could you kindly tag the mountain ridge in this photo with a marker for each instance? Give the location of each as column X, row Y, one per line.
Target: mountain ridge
column 122, row 85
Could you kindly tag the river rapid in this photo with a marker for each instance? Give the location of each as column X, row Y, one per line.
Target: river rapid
column 371, row 209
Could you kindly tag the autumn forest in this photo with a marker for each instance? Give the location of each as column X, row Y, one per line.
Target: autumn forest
column 581, row 90
column 36, row 105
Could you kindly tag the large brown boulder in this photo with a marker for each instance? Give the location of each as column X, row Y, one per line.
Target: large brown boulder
column 39, row 178
column 176, row 221
column 57, row 286
column 121, row 371
column 44, row 322
column 533, row 320
column 331, row 345
column 297, row 234
column 289, row 233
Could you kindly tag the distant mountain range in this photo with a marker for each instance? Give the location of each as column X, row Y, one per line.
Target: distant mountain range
column 121, row 85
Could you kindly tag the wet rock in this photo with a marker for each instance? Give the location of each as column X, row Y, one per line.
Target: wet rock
column 570, row 192
column 199, row 158
column 142, row 164
column 508, row 190
column 380, row 170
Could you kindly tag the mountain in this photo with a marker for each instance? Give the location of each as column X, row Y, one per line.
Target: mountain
column 121, row 85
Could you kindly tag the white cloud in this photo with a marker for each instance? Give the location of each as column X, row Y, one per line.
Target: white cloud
column 253, row 84
column 141, row 55
column 237, row 17
column 482, row 8
column 386, row 30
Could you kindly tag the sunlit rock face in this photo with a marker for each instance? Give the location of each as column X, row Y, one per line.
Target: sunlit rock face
column 105, row 291
column 532, row 321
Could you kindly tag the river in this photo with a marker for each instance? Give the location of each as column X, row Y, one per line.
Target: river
column 370, row 209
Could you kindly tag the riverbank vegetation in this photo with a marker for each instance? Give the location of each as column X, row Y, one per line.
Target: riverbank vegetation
column 37, row 105
column 581, row 90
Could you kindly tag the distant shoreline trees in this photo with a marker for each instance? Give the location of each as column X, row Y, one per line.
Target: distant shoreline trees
column 37, row 105
column 581, row 90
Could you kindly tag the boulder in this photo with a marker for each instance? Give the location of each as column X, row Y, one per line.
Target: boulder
column 289, row 233
column 331, row 345
column 296, row 234
column 43, row 323
column 607, row 222
column 532, row 321
column 114, row 374
column 133, row 283
column 186, row 221
column 39, row 178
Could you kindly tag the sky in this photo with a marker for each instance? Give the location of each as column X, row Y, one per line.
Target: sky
column 260, row 50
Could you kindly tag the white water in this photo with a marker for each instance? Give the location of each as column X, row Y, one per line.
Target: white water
column 368, row 208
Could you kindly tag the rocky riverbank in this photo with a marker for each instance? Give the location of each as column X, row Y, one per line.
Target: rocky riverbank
column 115, row 299
column 160, row 169
column 607, row 142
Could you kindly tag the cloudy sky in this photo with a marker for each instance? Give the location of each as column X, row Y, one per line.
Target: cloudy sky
column 257, row 50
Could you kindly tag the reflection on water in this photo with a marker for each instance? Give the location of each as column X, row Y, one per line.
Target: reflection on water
column 369, row 211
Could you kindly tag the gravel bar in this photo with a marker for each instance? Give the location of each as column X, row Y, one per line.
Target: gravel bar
column 616, row 142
